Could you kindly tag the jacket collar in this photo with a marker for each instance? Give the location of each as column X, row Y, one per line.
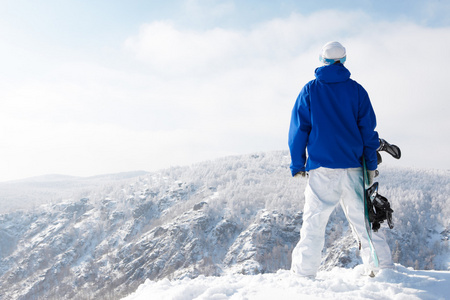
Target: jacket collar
column 333, row 73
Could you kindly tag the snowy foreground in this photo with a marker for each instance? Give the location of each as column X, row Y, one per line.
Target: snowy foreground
column 339, row 283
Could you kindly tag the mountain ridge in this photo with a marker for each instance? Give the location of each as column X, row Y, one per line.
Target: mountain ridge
column 234, row 215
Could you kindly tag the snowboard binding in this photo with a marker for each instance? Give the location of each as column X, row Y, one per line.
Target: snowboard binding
column 393, row 150
column 379, row 208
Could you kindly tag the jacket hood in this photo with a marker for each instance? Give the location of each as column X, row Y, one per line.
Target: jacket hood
column 332, row 73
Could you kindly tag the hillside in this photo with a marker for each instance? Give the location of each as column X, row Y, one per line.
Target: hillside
column 35, row 191
column 235, row 215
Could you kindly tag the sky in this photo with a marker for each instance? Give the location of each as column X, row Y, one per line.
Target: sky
column 97, row 87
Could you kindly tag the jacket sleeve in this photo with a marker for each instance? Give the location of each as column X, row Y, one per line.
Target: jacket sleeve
column 299, row 130
column 367, row 124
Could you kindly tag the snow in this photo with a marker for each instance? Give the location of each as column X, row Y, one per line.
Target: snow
column 235, row 217
column 398, row 283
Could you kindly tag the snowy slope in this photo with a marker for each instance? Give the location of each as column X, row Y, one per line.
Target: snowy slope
column 400, row 283
column 235, row 215
column 35, row 191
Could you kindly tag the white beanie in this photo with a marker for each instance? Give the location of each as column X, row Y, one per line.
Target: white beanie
column 332, row 52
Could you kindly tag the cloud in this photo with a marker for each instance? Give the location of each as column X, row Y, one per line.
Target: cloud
column 173, row 50
column 402, row 67
column 259, row 71
column 184, row 95
column 30, row 148
column 169, row 50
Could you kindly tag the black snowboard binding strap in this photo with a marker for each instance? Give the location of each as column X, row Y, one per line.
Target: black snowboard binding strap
column 379, row 159
column 379, row 208
column 391, row 149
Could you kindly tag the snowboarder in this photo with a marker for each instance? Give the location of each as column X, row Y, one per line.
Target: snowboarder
column 332, row 128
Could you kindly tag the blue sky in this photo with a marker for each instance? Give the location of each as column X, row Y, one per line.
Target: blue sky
column 92, row 87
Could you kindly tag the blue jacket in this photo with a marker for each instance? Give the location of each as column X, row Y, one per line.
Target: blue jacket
column 334, row 122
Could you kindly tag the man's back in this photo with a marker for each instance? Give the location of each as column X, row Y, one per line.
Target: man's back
column 334, row 119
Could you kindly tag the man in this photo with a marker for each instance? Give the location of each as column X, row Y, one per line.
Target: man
column 332, row 129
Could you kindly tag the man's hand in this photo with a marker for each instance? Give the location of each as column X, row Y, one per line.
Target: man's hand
column 301, row 174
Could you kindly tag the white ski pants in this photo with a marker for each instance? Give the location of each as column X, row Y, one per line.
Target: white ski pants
column 325, row 189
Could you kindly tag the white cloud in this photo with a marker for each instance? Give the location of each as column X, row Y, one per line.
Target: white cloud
column 30, row 148
column 185, row 52
column 402, row 67
column 200, row 94
column 258, row 72
column 169, row 50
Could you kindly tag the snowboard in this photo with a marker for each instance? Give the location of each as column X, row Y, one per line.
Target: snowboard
column 366, row 213
column 376, row 207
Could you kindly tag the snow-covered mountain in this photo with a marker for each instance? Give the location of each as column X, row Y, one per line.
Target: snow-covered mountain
column 34, row 191
column 235, row 215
